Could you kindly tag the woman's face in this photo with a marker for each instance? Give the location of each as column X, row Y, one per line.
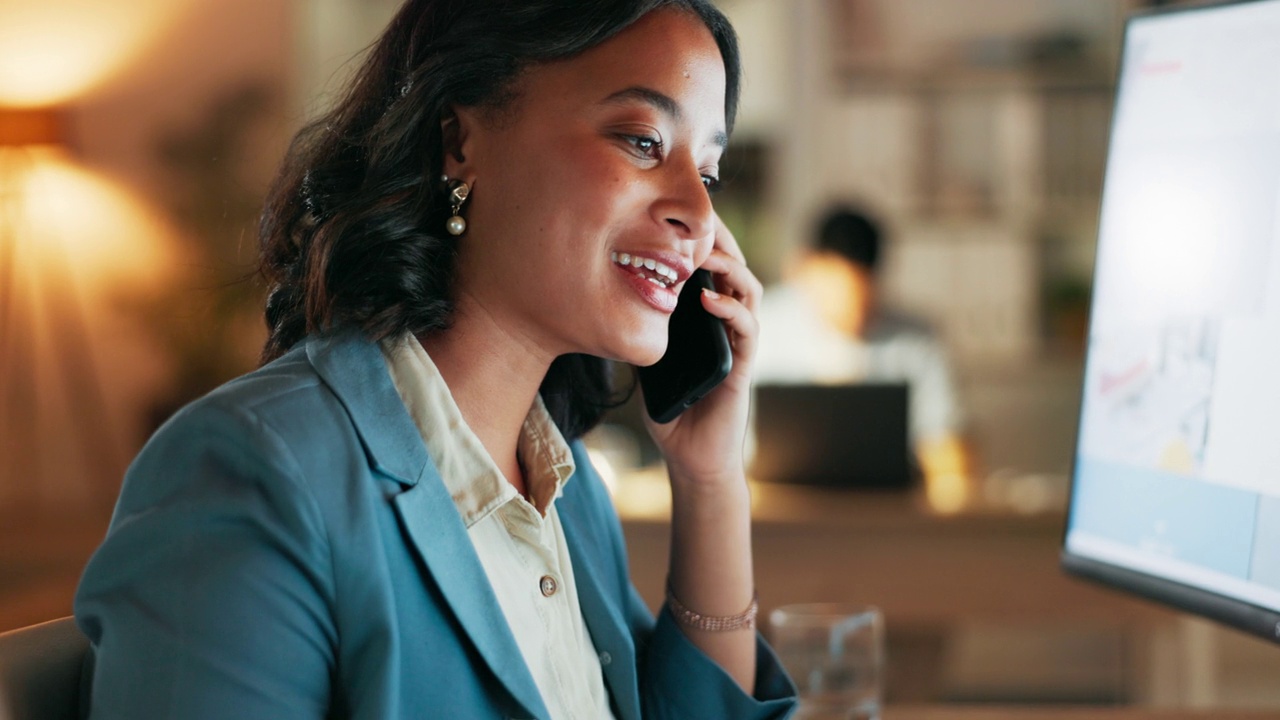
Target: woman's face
column 602, row 162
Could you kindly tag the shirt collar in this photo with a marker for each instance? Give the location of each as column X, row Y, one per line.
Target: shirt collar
column 473, row 480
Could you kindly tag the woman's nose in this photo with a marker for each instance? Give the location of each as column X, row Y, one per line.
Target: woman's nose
column 685, row 204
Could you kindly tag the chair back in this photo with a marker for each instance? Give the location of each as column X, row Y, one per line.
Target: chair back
column 40, row 671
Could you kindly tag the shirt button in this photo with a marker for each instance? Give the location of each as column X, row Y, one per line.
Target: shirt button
column 548, row 586
column 605, row 658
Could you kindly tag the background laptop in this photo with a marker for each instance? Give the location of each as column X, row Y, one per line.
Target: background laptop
column 852, row 436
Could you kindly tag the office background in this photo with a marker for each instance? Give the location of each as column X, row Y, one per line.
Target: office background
column 137, row 138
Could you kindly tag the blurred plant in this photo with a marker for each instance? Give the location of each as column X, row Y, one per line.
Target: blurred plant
column 1066, row 288
column 207, row 317
column 741, row 202
column 1066, row 313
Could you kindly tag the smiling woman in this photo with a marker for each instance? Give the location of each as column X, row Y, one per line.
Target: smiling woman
column 394, row 517
column 376, row 160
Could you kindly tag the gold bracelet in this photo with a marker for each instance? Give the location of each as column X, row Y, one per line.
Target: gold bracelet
column 745, row 620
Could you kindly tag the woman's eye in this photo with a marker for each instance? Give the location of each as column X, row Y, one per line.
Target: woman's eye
column 649, row 147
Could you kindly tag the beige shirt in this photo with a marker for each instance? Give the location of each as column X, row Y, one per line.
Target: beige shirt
column 521, row 544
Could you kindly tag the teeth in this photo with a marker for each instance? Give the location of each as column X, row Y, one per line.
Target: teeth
column 666, row 276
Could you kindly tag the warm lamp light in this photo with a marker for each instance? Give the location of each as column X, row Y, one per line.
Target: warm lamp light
column 56, row 50
column 68, row 236
column 69, row 240
column 31, row 127
column 73, row 224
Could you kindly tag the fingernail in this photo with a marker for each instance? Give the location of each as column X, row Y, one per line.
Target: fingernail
column 711, row 293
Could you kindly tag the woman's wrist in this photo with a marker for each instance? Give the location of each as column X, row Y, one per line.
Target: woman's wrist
column 711, row 500
column 745, row 620
column 697, row 481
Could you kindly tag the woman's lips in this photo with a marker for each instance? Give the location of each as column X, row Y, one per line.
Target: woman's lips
column 660, row 296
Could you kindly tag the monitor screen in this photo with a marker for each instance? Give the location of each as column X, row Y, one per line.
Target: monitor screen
column 1176, row 481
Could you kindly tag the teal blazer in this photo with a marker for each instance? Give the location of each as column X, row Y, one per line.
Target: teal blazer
column 284, row 548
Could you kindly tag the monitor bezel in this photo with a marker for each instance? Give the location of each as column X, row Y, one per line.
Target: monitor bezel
column 1230, row 611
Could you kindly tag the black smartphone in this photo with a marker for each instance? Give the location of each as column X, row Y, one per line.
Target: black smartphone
column 697, row 358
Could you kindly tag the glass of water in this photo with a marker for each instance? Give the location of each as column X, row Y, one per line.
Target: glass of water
column 835, row 654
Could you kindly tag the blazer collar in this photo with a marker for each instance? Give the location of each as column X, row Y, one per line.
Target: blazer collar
column 353, row 367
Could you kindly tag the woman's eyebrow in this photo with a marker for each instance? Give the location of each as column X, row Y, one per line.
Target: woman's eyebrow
column 648, row 96
column 663, row 103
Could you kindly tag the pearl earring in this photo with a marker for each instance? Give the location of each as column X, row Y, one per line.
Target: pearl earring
column 458, row 193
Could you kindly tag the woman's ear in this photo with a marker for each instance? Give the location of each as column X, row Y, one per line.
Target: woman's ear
column 457, row 133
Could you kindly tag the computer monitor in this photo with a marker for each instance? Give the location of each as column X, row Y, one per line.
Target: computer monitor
column 1176, row 482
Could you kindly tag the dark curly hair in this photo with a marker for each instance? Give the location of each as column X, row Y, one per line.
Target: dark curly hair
column 351, row 232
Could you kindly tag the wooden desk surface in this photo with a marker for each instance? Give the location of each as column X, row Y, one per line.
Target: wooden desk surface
column 889, row 549
column 645, row 496
column 935, row 577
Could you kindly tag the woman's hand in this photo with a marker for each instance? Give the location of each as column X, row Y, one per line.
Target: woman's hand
column 705, row 443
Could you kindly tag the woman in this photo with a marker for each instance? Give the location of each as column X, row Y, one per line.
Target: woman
column 393, row 517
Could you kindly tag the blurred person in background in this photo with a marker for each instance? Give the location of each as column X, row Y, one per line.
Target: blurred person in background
column 826, row 324
column 394, row 517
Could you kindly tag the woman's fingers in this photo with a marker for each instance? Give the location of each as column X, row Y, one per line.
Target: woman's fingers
column 735, row 302
column 739, row 321
column 737, row 294
column 734, row 278
column 730, row 265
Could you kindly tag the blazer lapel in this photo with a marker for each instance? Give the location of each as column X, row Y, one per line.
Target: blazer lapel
column 356, row 372
column 604, row 620
column 440, row 539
